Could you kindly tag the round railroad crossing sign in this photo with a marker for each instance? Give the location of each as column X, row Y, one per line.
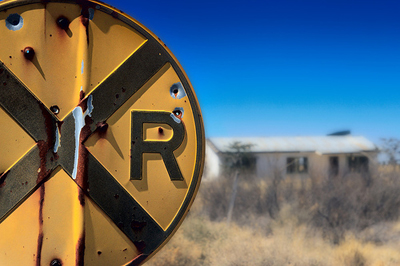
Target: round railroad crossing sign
column 102, row 140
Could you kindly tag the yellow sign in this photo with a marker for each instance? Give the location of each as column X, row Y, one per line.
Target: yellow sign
column 102, row 140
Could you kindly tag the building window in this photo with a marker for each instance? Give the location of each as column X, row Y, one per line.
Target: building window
column 296, row 165
column 358, row 164
column 333, row 165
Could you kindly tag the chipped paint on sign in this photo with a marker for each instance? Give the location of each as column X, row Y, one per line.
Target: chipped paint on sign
column 177, row 114
column 177, row 120
column 128, row 220
column 57, row 144
column 177, row 91
column 79, row 117
column 14, row 22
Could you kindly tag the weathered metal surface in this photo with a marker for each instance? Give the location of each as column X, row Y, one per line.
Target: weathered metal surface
column 114, row 143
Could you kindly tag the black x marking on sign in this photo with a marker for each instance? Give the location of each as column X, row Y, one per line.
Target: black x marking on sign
column 38, row 163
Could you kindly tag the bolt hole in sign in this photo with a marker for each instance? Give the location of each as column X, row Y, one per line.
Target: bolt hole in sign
column 101, row 152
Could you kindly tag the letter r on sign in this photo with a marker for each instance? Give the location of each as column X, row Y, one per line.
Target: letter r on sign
column 166, row 148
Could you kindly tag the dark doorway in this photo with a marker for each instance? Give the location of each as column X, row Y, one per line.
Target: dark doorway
column 333, row 165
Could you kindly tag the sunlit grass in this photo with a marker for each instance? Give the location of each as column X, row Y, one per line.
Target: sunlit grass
column 202, row 242
column 296, row 235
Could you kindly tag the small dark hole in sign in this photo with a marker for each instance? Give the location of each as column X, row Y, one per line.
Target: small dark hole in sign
column 63, row 23
column 140, row 245
column 178, row 113
column 177, row 91
column 14, row 22
column 55, row 109
column 138, row 225
column 55, row 262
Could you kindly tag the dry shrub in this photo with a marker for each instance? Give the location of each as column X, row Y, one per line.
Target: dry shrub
column 334, row 205
column 179, row 251
column 354, row 202
column 254, row 199
column 349, row 220
column 237, row 246
column 356, row 259
column 203, row 242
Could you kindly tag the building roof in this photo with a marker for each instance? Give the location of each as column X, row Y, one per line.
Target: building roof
column 318, row 144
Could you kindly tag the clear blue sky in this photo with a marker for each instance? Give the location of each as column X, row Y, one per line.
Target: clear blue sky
column 287, row 67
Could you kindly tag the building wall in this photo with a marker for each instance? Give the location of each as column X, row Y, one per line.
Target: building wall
column 212, row 165
column 270, row 165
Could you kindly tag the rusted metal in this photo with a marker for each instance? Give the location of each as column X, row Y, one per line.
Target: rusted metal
column 60, row 138
column 91, row 175
column 102, row 129
column 117, row 81
column 80, row 251
column 40, row 236
column 24, row 107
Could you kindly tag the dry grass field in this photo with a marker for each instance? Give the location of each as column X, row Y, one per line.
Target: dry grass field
column 351, row 220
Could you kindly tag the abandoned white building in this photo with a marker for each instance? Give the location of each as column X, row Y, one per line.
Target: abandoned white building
column 333, row 155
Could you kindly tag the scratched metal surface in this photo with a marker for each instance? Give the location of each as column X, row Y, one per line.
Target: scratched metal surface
column 74, row 76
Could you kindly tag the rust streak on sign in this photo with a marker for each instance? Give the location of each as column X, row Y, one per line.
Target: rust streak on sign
column 40, row 236
column 45, row 145
column 80, row 250
column 102, row 129
column 98, row 112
